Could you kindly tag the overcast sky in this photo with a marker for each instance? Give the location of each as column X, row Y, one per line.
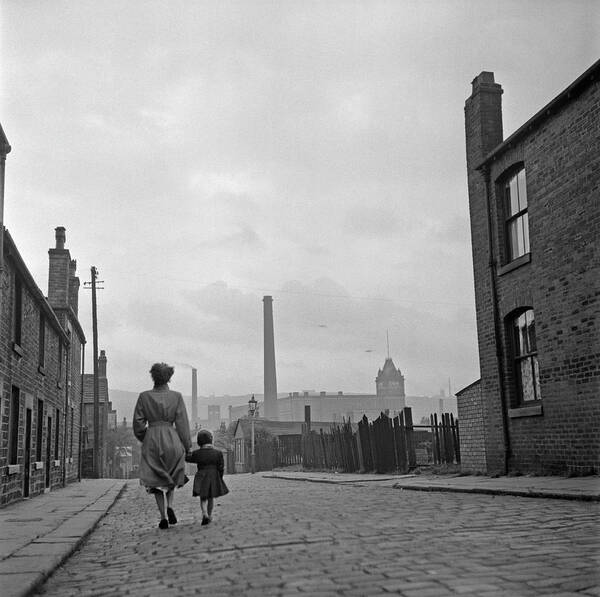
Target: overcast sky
column 204, row 154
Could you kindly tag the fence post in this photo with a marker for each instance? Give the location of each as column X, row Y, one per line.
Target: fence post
column 410, row 440
column 456, row 438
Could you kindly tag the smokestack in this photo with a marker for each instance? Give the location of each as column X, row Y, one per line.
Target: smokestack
column 194, row 396
column 270, row 379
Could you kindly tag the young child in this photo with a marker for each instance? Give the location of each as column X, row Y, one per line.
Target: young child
column 208, row 481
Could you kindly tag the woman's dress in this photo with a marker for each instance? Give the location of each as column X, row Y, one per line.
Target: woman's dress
column 160, row 422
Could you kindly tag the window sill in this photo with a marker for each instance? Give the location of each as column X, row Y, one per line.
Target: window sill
column 38, row 466
column 525, row 411
column 17, row 348
column 41, row 369
column 516, row 263
column 13, row 469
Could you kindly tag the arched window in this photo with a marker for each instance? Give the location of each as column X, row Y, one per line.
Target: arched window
column 514, row 189
column 526, row 368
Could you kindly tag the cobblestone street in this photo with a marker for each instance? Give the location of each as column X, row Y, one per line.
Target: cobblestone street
column 279, row 537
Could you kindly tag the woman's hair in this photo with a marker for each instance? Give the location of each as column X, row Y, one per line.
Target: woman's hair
column 161, row 373
column 204, row 437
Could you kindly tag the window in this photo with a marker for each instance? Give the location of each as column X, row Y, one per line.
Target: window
column 13, row 429
column 60, row 360
column 39, row 435
column 516, row 218
column 18, row 311
column 42, row 342
column 526, row 368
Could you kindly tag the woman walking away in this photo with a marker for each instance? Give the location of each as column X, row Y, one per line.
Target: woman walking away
column 208, row 481
column 160, row 422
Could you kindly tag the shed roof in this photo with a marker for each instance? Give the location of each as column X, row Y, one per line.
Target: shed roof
column 277, row 428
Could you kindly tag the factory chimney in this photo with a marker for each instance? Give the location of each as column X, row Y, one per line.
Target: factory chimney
column 270, row 394
column 194, row 397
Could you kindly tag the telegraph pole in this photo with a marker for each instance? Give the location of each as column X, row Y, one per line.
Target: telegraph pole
column 97, row 464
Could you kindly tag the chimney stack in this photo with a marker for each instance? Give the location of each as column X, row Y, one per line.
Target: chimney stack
column 59, row 271
column 194, row 397
column 102, row 364
column 270, row 378
column 483, row 118
column 73, row 287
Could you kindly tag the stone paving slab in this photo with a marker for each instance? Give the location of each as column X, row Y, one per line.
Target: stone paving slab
column 40, row 533
column 578, row 488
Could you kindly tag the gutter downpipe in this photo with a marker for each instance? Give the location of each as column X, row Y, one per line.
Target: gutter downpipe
column 497, row 321
column 79, row 463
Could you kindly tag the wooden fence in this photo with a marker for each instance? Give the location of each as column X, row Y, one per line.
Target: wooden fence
column 274, row 452
column 385, row 445
column 337, row 449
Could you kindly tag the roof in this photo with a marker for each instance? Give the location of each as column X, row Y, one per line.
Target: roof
column 278, row 428
column 471, row 385
column 32, row 286
column 72, row 316
column 389, row 370
column 580, row 84
column 4, row 144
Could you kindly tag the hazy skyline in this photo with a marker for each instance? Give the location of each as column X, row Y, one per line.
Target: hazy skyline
column 204, row 154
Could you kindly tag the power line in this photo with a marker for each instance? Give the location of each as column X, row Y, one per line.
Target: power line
column 276, row 291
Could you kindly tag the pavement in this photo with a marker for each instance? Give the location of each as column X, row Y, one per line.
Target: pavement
column 570, row 488
column 38, row 535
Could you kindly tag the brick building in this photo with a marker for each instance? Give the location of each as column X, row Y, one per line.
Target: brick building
column 107, row 419
column 41, row 353
column 535, row 218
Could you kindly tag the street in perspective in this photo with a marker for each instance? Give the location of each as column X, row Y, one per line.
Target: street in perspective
column 281, row 536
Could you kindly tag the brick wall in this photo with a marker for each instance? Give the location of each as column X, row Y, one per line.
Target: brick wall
column 561, row 155
column 21, row 369
column 472, row 434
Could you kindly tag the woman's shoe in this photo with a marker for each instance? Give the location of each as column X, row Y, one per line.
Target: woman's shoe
column 205, row 520
column 171, row 516
column 163, row 524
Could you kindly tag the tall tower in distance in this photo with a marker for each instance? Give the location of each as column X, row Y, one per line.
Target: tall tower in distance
column 194, row 397
column 270, row 377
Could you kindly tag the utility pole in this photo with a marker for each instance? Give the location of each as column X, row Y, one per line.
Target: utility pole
column 97, row 464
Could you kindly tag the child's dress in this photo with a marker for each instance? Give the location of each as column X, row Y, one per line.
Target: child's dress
column 208, row 481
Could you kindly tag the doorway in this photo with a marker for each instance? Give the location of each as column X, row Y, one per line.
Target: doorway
column 48, row 451
column 27, row 455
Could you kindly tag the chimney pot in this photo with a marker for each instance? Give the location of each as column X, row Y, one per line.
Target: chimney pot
column 60, row 237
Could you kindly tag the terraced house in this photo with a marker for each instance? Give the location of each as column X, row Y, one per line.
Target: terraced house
column 41, row 354
column 535, row 224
